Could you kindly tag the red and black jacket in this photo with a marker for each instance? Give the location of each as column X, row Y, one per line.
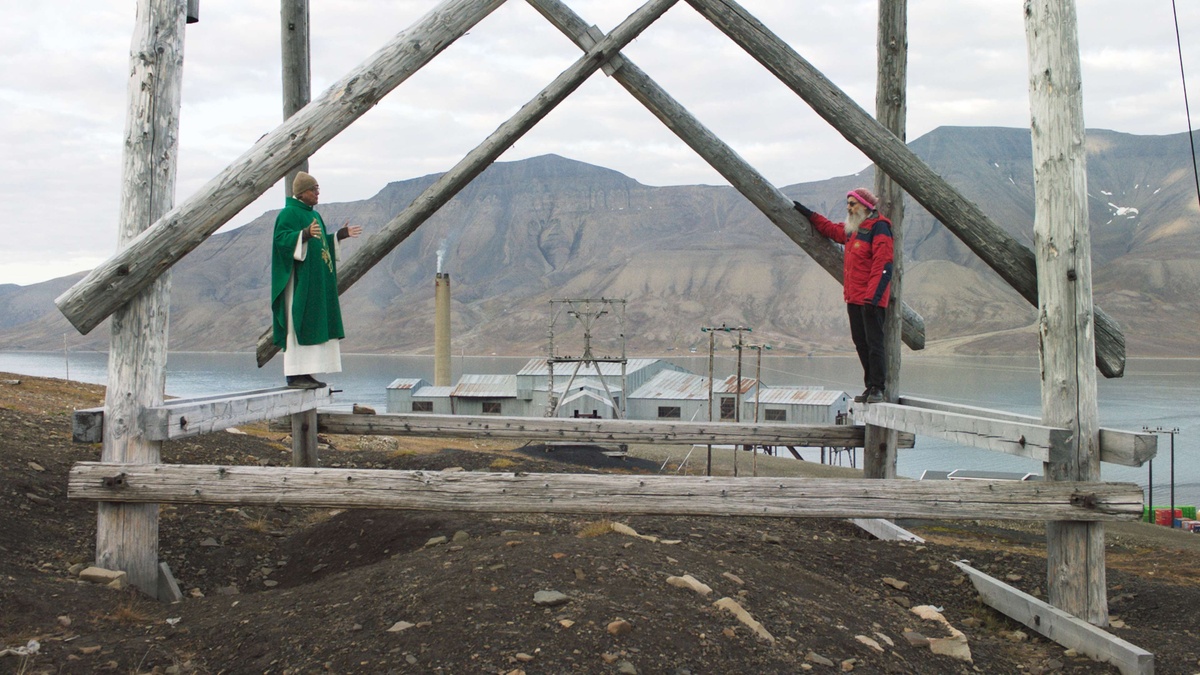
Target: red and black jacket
column 868, row 260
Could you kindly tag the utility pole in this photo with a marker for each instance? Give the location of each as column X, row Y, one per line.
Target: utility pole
column 757, row 396
column 1172, row 432
column 711, row 330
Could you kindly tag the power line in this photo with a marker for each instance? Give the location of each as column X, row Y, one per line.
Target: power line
column 1186, row 107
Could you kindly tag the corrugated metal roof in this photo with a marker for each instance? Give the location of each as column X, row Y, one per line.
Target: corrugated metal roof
column 589, row 395
column 539, row 367
column 729, row 385
column 585, row 383
column 405, row 383
column 486, row 386
column 798, row 396
column 674, row 385
column 433, row 392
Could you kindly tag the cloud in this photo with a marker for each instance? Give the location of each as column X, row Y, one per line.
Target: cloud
column 65, row 68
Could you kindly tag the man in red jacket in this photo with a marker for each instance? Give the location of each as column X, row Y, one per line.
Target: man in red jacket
column 867, row 279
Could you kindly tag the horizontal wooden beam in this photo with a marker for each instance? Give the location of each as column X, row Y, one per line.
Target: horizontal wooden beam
column 1127, row 448
column 183, row 417
column 1015, row 438
column 596, row 430
column 180, row 418
column 114, row 282
column 1059, row 626
column 601, row 493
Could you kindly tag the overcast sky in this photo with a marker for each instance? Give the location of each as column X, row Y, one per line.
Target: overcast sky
column 63, row 76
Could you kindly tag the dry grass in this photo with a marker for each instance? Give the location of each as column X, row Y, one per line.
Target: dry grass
column 127, row 611
column 597, row 528
column 502, row 464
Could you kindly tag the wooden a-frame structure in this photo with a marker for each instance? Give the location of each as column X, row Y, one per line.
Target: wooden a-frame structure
column 132, row 286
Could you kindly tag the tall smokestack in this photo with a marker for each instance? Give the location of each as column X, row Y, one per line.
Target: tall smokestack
column 441, row 330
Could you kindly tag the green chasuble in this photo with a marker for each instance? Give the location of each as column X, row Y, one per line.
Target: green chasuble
column 315, row 306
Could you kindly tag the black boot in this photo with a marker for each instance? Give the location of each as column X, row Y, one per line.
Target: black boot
column 303, row 382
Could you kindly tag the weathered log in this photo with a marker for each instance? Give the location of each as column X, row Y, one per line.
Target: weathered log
column 1074, row 551
column 450, row 183
column 740, row 174
column 583, row 430
column 127, row 534
column 1001, row 251
column 602, row 494
column 115, row 281
column 296, row 70
column 891, row 108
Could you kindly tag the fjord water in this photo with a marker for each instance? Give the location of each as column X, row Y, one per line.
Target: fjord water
column 1154, row 393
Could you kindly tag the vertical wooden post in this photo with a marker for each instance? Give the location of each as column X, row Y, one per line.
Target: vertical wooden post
column 891, row 110
column 127, row 534
column 297, row 72
column 304, row 438
column 1074, row 550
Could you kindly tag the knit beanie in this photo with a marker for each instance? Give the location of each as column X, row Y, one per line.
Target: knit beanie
column 303, row 183
column 863, row 196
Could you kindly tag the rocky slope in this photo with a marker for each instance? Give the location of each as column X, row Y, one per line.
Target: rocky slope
column 686, row 256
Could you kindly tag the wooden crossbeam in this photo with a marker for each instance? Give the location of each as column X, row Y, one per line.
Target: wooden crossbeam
column 1057, row 625
column 719, row 155
column 584, row 430
column 601, row 493
column 114, row 282
column 1023, row 439
column 1011, row 259
column 1127, row 448
column 183, row 417
column 380, row 244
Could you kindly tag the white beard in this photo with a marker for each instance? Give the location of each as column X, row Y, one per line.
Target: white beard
column 853, row 220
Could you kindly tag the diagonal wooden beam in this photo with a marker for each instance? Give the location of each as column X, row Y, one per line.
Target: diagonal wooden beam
column 1001, row 251
column 116, row 281
column 450, row 183
column 740, row 174
column 601, row 493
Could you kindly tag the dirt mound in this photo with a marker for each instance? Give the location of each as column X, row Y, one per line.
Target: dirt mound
column 284, row 590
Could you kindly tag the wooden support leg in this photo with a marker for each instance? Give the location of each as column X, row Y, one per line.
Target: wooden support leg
column 304, row 438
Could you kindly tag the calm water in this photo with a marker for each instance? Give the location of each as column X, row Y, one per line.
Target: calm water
column 1154, row 393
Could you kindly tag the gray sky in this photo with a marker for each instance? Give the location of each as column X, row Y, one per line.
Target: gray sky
column 63, row 75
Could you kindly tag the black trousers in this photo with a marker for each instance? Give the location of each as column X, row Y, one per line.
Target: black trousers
column 866, row 329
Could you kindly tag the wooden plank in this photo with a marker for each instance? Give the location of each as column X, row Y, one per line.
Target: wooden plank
column 740, row 174
column 584, row 430
column 1074, row 551
column 127, row 534
column 380, row 244
column 1015, row 438
column 1059, row 626
column 173, row 235
column 1014, row 262
column 181, row 418
column 1126, row 448
column 482, row 492
column 304, row 439
column 886, row 530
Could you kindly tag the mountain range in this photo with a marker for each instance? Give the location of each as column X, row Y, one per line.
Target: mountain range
column 529, row 231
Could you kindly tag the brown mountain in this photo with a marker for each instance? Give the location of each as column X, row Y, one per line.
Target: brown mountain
column 686, row 256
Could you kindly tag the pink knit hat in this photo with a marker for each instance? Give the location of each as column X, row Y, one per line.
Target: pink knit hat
column 865, row 197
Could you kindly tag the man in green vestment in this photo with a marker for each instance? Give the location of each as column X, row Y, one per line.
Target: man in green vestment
column 307, row 320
